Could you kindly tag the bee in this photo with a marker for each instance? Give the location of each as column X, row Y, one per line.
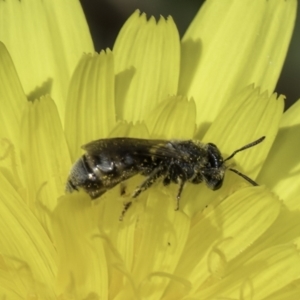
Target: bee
column 108, row 162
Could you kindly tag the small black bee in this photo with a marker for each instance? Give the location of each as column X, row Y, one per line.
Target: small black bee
column 107, row 162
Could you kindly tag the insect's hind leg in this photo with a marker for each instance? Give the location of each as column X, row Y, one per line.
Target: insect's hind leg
column 125, row 208
column 145, row 185
column 181, row 183
column 156, row 173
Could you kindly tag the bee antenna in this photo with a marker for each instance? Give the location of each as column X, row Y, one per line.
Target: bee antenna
column 242, row 149
column 244, row 176
column 239, row 150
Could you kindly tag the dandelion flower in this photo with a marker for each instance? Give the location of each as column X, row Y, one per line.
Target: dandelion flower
column 215, row 85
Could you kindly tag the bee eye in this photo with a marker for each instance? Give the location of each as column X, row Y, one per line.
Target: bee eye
column 214, row 156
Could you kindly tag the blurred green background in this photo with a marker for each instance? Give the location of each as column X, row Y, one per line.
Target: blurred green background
column 106, row 17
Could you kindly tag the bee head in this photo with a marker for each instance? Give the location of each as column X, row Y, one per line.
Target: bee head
column 213, row 173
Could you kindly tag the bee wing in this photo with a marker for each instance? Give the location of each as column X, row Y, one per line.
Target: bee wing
column 133, row 146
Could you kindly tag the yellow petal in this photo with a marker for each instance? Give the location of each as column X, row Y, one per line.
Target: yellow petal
column 147, row 58
column 45, row 156
column 281, row 171
column 237, row 214
column 260, row 277
column 291, row 291
column 45, row 41
column 249, row 116
column 141, row 252
column 90, row 109
column 12, row 98
column 222, row 232
column 231, row 44
column 138, row 130
column 82, row 265
column 12, row 102
column 273, row 269
column 173, row 118
column 165, row 231
column 27, row 254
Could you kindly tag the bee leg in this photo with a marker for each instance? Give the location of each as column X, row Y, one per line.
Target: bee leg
column 125, row 208
column 122, row 188
column 167, row 180
column 181, row 183
column 148, row 182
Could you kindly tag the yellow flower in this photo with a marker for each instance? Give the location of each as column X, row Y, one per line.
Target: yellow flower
column 216, row 85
